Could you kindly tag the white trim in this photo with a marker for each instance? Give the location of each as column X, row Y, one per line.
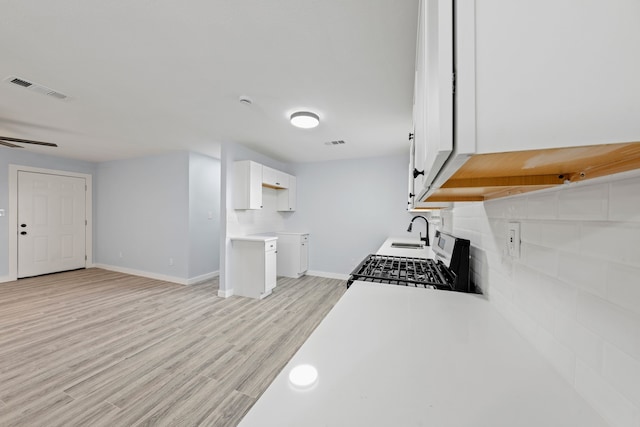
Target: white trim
column 147, row 274
column 13, row 213
column 226, row 293
column 4, row 279
column 203, row 277
column 328, row 275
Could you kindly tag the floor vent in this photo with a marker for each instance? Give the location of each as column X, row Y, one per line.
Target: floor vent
column 337, row 142
column 35, row 87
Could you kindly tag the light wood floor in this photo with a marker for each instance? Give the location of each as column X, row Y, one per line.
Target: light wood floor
column 98, row 348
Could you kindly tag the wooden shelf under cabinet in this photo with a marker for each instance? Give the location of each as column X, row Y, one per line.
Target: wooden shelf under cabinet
column 494, row 175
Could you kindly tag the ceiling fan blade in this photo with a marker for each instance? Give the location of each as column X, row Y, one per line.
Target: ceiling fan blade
column 27, row 141
column 8, row 144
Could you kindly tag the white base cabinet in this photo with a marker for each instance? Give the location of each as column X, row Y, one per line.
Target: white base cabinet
column 293, row 256
column 254, row 264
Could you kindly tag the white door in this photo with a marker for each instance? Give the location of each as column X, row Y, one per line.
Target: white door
column 51, row 223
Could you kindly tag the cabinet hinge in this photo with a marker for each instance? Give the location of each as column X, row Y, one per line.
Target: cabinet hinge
column 85, row 257
column 85, row 222
column 453, row 83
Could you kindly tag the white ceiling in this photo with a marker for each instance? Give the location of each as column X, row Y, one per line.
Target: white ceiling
column 149, row 76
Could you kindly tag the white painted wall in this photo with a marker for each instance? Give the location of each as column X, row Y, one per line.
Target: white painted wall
column 575, row 291
column 26, row 158
column 350, row 207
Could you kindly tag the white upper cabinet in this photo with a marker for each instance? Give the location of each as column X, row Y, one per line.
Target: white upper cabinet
column 433, row 92
column 250, row 177
column 542, row 89
column 274, row 178
column 287, row 198
column 247, row 192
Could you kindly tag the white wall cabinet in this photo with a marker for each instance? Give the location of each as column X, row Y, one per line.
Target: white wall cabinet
column 287, row 197
column 433, row 95
column 250, row 177
column 274, row 178
column 247, row 192
column 527, row 79
column 293, row 254
column 254, row 266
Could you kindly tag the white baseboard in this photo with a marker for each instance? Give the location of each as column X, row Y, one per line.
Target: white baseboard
column 6, row 279
column 156, row 276
column 226, row 293
column 329, row 275
column 203, row 277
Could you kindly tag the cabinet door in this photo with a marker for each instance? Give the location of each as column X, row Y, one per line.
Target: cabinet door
column 304, row 254
column 247, row 191
column 287, row 198
column 270, row 264
column 434, row 91
column 274, row 178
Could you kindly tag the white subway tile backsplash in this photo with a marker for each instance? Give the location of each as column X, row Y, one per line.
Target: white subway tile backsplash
column 542, row 206
column 540, row 258
column 559, row 235
column 624, row 200
column 588, row 274
column 612, row 242
column 586, row 345
column 575, row 291
column 583, row 203
column 623, row 286
column 530, row 295
column 623, row 372
column 611, row 322
column 614, row 407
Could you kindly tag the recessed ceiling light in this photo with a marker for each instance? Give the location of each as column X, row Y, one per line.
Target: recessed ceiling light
column 303, row 376
column 305, row 119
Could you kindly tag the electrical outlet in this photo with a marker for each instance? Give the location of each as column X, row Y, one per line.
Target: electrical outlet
column 513, row 239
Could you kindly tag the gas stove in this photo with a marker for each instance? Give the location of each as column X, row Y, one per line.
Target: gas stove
column 449, row 271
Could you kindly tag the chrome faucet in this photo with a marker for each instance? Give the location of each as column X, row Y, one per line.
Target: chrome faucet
column 425, row 239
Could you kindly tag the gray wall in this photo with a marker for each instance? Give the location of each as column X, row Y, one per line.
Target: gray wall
column 23, row 157
column 350, row 207
column 142, row 213
column 204, row 215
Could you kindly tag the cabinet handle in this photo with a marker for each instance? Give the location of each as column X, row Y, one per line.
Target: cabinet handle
column 416, row 172
column 277, row 183
column 410, row 136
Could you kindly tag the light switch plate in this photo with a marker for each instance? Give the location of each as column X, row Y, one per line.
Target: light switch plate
column 1, row 212
column 513, row 239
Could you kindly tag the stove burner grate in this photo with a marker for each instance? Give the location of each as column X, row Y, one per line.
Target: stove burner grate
column 416, row 272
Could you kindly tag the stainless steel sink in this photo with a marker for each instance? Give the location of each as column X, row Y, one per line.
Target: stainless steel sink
column 405, row 245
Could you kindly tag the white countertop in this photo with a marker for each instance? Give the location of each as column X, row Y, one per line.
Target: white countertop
column 400, row 356
column 386, row 248
column 256, row 237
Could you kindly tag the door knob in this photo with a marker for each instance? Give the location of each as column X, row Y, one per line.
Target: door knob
column 24, row 233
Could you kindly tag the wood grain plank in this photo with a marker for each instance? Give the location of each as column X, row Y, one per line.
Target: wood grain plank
column 95, row 347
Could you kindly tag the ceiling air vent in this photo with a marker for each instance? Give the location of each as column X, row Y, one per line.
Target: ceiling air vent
column 338, row 142
column 35, row 87
column 20, row 82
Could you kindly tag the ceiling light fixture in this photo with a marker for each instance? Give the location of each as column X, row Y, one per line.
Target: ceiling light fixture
column 305, row 119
